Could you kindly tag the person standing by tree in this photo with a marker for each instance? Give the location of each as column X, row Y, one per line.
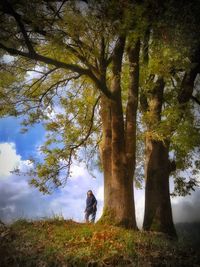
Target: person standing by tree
column 91, row 206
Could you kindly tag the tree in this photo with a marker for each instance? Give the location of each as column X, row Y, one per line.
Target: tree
column 90, row 62
column 74, row 48
column 172, row 64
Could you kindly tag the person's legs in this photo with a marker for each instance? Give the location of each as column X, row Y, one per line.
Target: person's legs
column 93, row 216
column 87, row 214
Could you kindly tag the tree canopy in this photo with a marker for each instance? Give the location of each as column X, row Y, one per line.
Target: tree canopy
column 54, row 73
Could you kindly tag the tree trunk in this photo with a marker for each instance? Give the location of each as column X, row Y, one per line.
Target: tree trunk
column 158, row 213
column 131, row 116
column 118, row 202
column 105, row 149
column 119, row 206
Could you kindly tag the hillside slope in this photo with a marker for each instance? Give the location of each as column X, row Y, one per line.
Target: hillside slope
column 67, row 243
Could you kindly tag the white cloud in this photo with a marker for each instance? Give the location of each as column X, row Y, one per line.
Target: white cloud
column 8, row 159
column 78, row 171
column 18, row 199
column 100, row 193
column 187, row 209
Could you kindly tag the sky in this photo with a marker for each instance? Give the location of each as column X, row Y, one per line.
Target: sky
column 19, row 200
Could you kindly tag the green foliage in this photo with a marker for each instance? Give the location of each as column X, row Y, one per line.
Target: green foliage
column 183, row 186
column 170, row 56
column 82, row 36
column 67, row 131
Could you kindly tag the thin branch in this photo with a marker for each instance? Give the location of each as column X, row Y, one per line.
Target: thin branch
column 146, row 45
column 41, row 79
column 56, row 85
column 58, row 11
column 46, row 60
column 11, row 11
column 31, row 70
column 91, row 125
column 173, row 83
column 59, row 64
column 187, row 84
column 81, row 57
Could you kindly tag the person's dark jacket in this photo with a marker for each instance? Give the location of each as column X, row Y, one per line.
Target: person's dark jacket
column 91, row 204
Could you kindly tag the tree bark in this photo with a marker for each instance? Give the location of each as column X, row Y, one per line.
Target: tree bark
column 158, row 212
column 131, row 116
column 105, row 149
column 119, row 206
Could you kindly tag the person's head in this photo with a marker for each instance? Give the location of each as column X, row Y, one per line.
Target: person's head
column 89, row 193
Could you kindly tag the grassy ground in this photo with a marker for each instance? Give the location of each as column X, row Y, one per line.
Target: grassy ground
column 56, row 242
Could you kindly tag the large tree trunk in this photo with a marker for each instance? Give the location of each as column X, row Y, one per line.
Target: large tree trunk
column 119, row 208
column 158, row 213
column 118, row 203
column 105, row 149
column 131, row 116
column 118, row 188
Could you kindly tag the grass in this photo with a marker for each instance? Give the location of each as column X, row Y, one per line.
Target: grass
column 59, row 242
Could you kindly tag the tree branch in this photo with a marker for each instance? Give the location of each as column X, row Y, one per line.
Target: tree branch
column 131, row 108
column 91, row 125
column 57, row 12
column 9, row 10
column 146, row 45
column 187, row 84
column 132, row 102
column 56, row 84
column 42, row 78
column 117, row 57
column 59, row 64
column 31, row 54
column 81, row 57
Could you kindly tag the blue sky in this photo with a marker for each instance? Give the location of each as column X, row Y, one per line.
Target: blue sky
column 19, row 200
column 25, row 143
